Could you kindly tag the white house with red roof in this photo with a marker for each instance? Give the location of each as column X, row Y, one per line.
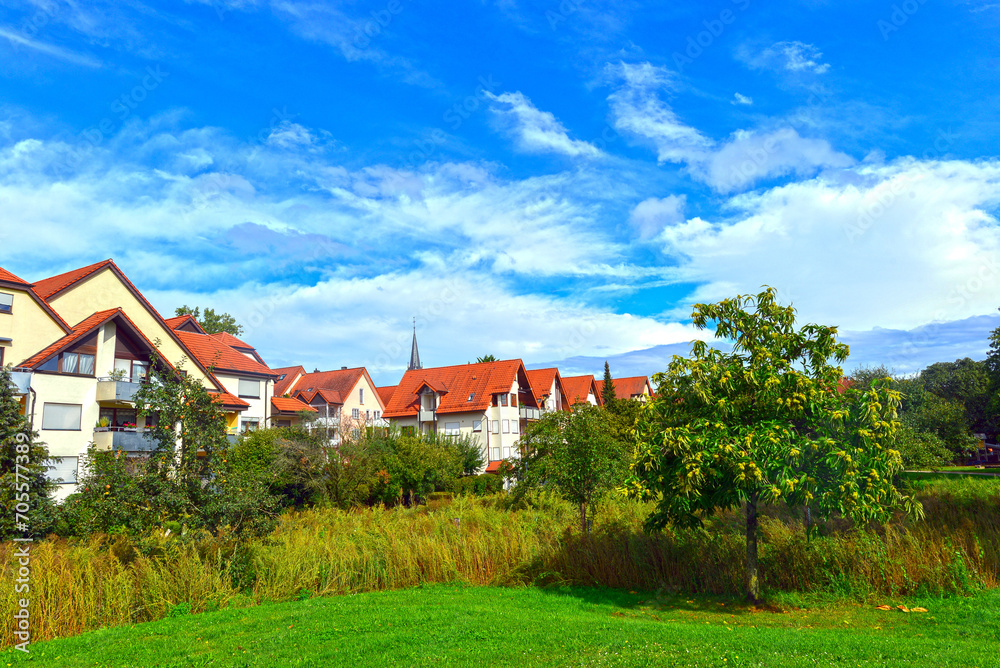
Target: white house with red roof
column 547, row 385
column 492, row 402
column 633, row 387
column 346, row 401
column 582, row 389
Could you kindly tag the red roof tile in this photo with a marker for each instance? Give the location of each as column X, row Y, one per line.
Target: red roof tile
column 291, row 374
column 578, row 387
column 626, row 388
column 541, row 382
column 212, row 353
column 179, row 321
column 341, row 381
column 50, row 286
column 229, row 401
column 288, row 405
column 481, row 381
column 232, row 341
column 494, row 467
column 11, row 278
column 85, row 327
column 332, row 397
column 385, row 393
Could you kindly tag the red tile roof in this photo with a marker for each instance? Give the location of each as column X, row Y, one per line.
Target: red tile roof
column 341, row 382
column 212, row 353
column 231, row 340
column 332, row 397
column 541, row 382
column 494, row 467
column 11, row 278
column 229, row 401
column 291, row 374
column 481, row 381
column 288, row 405
column 385, row 393
column 626, row 388
column 578, row 387
column 50, row 286
column 179, row 321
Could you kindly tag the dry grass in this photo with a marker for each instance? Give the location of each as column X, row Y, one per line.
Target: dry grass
column 106, row 581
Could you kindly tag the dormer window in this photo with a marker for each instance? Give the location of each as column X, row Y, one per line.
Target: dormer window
column 471, row 397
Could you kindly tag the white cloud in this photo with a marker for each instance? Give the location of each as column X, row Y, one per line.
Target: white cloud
column 895, row 245
column 650, row 216
column 49, row 49
column 536, row 131
column 742, row 99
column 795, row 57
column 745, row 158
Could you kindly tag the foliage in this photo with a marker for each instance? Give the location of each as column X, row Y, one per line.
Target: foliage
column 623, row 416
column 608, row 388
column 470, row 454
column 212, row 322
column 921, row 449
column 485, row 358
column 484, row 484
column 418, row 465
column 23, row 466
column 765, row 423
column 575, row 454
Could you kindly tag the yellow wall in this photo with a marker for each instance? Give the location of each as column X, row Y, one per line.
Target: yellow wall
column 103, row 291
column 29, row 327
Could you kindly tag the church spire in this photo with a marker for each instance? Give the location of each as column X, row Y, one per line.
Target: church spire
column 414, row 353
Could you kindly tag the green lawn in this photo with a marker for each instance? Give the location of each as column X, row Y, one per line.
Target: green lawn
column 484, row 626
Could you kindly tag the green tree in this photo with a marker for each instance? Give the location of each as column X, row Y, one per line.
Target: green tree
column 23, row 466
column 210, row 321
column 608, row 388
column 574, row 453
column 764, row 423
column 485, row 358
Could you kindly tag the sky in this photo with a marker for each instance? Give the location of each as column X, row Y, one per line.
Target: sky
column 555, row 181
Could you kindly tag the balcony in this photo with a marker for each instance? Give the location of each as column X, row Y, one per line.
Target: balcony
column 129, row 439
column 529, row 413
column 21, row 381
column 110, row 390
column 427, row 416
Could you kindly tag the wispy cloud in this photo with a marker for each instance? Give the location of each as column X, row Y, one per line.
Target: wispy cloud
column 49, row 49
column 795, row 57
column 536, row 131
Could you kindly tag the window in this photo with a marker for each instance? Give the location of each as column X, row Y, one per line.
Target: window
column 452, row 428
column 496, row 400
column 496, row 426
column 513, row 426
column 503, row 399
column 495, row 457
column 249, row 424
column 378, row 414
column 6, row 302
column 119, row 417
column 70, row 363
column 513, row 400
column 249, row 389
column 1, row 355
column 471, row 397
column 61, row 417
column 284, row 423
column 506, row 426
column 368, row 415
column 477, row 425
column 64, row 470
column 356, row 413
column 361, row 396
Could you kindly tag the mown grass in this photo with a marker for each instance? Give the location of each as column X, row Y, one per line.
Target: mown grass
column 112, row 581
column 444, row 625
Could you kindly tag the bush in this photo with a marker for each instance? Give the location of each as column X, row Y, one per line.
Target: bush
column 921, row 449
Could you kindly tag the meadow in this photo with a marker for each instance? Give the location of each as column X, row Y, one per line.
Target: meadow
column 80, row 585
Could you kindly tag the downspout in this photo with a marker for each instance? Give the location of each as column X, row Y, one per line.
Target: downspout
column 31, row 418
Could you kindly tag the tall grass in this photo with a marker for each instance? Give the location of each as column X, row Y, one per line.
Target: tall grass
column 78, row 585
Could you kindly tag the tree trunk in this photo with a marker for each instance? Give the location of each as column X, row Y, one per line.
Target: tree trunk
column 753, row 582
column 583, row 518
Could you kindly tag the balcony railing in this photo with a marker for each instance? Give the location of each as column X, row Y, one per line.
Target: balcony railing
column 529, row 413
column 111, row 389
column 427, row 416
column 21, row 381
column 129, row 439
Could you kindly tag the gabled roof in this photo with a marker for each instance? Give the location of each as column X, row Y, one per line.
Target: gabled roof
column 289, row 405
column 626, row 388
column 291, row 374
column 480, row 381
column 231, row 340
column 341, row 381
column 86, row 327
column 186, row 321
column 8, row 277
column 212, row 353
column 578, row 387
column 331, row 397
column 385, row 393
column 541, row 382
column 49, row 287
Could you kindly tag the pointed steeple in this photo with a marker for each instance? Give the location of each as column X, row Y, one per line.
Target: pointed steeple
column 414, row 353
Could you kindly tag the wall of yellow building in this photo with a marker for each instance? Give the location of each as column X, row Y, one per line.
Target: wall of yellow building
column 28, row 326
column 103, row 291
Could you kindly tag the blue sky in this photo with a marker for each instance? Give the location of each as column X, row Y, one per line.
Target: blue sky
column 556, row 181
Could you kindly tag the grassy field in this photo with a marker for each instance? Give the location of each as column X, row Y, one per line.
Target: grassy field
column 492, row 626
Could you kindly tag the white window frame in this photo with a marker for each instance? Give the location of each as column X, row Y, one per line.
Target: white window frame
column 496, row 426
column 6, row 303
column 452, row 428
column 242, row 392
column 513, row 426
column 506, row 426
column 477, row 425
column 356, row 413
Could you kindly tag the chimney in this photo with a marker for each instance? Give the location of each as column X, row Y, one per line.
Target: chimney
column 343, row 368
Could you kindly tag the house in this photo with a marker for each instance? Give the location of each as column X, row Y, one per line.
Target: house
column 635, row 387
column 491, row 402
column 582, row 390
column 81, row 343
column 547, row 386
column 345, row 401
